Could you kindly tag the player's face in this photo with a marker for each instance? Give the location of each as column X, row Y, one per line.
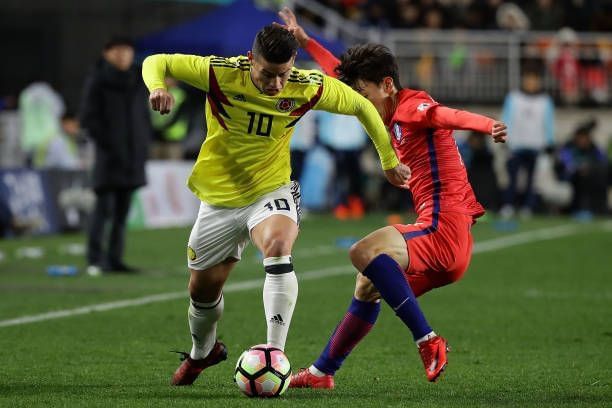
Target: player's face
column 379, row 94
column 268, row 77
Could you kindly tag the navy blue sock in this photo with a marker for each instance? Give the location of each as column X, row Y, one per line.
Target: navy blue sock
column 354, row 326
column 389, row 279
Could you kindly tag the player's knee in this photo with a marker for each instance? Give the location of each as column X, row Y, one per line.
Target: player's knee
column 362, row 253
column 276, row 245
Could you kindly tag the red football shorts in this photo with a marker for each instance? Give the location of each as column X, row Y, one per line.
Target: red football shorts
column 439, row 249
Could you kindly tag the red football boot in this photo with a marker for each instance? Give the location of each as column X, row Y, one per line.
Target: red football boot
column 433, row 353
column 305, row 379
column 190, row 369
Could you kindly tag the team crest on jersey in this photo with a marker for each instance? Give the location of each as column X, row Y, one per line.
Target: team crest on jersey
column 285, row 105
column 423, row 107
column 397, row 132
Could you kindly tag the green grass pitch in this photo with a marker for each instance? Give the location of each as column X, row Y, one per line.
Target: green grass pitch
column 529, row 325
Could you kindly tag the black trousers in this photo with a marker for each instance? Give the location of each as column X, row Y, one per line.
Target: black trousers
column 523, row 158
column 349, row 174
column 111, row 206
column 590, row 189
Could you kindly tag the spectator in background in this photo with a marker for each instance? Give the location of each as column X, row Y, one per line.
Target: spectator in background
column 529, row 115
column 61, row 151
column 333, row 130
column 407, row 15
column 593, row 75
column 40, row 109
column 116, row 114
column 585, row 166
column 563, row 60
column 545, row 15
column 510, row 17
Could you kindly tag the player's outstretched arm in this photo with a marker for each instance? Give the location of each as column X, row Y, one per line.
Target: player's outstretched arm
column 320, row 54
column 447, row 118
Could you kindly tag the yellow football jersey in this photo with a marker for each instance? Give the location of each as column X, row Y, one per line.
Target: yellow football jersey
column 246, row 151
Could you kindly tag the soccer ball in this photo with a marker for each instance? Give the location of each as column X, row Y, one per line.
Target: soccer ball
column 263, row 371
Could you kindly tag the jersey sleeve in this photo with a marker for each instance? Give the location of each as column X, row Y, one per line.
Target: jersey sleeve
column 339, row 98
column 414, row 111
column 191, row 69
column 448, row 118
column 323, row 57
column 423, row 112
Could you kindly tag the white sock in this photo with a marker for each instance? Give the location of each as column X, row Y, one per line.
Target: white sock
column 426, row 337
column 316, row 372
column 280, row 293
column 203, row 319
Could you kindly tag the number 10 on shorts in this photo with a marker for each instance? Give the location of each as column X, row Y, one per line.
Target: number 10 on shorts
column 281, row 204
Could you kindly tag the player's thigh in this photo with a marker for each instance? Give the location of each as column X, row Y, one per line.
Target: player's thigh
column 273, row 221
column 387, row 240
column 216, row 237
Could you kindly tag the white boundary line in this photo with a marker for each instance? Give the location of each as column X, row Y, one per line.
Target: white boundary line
column 484, row 246
column 162, row 297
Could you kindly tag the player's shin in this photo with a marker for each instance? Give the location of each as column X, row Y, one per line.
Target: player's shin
column 203, row 319
column 354, row 326
column 388, row 277
column 279, row 296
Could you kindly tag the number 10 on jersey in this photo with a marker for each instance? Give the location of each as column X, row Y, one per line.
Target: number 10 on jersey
column 264, row 123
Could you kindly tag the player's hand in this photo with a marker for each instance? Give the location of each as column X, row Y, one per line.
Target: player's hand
column 399, row 175
column 292, row 26
column 161, row 101
column 499, row 132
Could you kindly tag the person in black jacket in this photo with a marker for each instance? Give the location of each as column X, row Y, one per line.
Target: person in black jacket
column 115, row 113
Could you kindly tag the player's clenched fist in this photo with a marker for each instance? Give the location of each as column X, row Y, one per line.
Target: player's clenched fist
column 399, row 175
column 499, row 132
column 162, row 101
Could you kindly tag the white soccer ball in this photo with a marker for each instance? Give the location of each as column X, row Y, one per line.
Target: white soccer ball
column 263, row 371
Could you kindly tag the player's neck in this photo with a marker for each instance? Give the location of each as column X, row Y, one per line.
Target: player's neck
column 390, row 106
column 254, row 82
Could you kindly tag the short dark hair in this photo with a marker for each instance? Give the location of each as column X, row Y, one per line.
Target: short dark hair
column 368, row 62
column 275, row 44
column 118, row 40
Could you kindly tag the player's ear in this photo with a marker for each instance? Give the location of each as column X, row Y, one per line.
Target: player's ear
column 388, row 84
column 250, row 56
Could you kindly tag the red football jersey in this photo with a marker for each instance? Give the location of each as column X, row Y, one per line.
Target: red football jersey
column 439, row 180
column 422, row 136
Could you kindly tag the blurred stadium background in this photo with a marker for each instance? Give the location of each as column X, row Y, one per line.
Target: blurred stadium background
column 531, row 321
